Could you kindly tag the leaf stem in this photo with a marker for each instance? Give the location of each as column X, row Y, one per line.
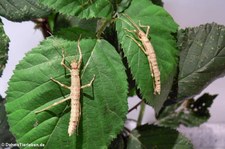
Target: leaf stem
column 135, row 107
column 141, row 114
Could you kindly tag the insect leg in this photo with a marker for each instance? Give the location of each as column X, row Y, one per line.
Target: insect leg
column 80, row 53
column 140, row 46
column 61, row 84
column 63, row 61
column 54, row 104
column 145, row 26
column 131, row 31
column 89, row 84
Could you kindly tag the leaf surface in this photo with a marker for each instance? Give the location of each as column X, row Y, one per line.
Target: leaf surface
column 22, row 10
column 151, row 137
column 6, row 136
column 104, row 105
column 202, row 58
column 190, row 113
column 81, row 8
column 162, row 26
column 4, row 44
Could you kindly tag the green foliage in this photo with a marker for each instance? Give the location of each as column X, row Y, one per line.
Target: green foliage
column 22, row 10
column 104, row 105
column 162, row 26
column 6, row 136
column 151, row 137
column 190, row 113
column 81, row 8
column 4, row 43
column 202, row 58
column 157, row 2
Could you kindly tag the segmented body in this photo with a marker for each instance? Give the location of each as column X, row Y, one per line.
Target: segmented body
column 74, row 88
column 149, row 51
column 75, row 100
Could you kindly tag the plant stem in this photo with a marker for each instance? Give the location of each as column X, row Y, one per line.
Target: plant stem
column 135, row 107
column 141, row 114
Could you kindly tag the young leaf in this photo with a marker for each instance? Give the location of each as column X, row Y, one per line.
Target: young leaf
column 6, row 136
column 190, row 113
column 150, row 136
column 201, row 59
column 104, row 105
column 161, row 27
column 81, row 8
column 4, row 44
column 22, row 10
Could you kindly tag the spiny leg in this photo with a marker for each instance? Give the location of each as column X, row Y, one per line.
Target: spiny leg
column 140, row 46
column 89, row 84
column 143, row 49
column 54, row 104
column 131, row 31
column 61, row 84
column 80, row 53
column 63, row 61
column 146, row 26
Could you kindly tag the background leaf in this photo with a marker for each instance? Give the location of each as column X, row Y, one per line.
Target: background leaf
column 81, row 8
column 151, row 137
column 190, row 113
column 22, row 10
column 104, row 105
column 201, row 59
column 158, row 2
column 162, row 26
column 5, row 134
column 74, row 33
column 4, row 44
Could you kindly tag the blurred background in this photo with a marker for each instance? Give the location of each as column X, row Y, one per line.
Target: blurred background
column 187, row 13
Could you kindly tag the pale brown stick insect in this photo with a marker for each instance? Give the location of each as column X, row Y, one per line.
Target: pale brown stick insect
column 148, row 49
column 75, row 88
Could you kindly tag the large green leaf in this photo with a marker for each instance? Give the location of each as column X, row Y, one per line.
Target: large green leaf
column 154, row 137
column 202, row 59
column 190, row 113
column 4, row 44
column 104, row 105
column 22, row 10
column 162, row 25
column 81, row 8
column 5, row 134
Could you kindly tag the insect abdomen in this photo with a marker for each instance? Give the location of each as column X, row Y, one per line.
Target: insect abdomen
column 75, row 101
column 74, row 116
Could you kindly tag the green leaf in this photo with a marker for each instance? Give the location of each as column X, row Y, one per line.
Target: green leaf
column 104, row 105
column 81, row 8
column 201, row 59
column 158, row 2
column 63, row 21
column 162, row 26
column 6, row 136
column 152, row 137
column 22, row 10
column 124, row 4
column 117, row 143
column 190, row 113
column 74, row 33
column 4, row 44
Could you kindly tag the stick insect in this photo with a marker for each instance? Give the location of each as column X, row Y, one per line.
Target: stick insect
column 74, row 91
column 148, row 49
